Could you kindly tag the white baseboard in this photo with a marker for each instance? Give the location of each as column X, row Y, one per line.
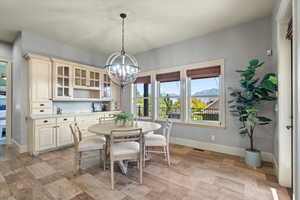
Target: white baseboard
column 20, row 148
column 266, row 156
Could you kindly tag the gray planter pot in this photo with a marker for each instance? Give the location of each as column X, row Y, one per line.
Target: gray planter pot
column 253, row 158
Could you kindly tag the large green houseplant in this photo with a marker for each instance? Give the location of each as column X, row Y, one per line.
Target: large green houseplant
column 246, row 101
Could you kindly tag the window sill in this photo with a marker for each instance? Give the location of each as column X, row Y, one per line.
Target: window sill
column 197, row 124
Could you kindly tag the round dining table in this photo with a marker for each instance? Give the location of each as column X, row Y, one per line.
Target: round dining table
column 105, row 129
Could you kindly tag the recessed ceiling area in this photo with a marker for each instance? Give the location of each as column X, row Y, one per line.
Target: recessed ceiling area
column 95, row 25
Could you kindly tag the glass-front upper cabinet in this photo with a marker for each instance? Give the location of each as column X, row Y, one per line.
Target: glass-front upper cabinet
column 106, row 93
column 80, row 75
column 95, row 79
column 62, row 80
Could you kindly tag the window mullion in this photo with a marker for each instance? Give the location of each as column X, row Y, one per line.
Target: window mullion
column 183, row 96
column 157, row 100
column 188, row 99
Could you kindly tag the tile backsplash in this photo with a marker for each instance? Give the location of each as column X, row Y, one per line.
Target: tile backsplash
column 73, row 107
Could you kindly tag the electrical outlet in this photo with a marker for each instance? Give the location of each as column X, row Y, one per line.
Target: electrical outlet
column 212, row 138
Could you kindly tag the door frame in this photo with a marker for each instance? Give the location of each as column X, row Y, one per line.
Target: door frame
column 296, row 63
column 8, row 101
column 284, row 165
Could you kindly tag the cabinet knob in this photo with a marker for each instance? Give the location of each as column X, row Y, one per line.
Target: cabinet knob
column 65, row 119
column 42, row 104
column 45, row 121
column 41, row 110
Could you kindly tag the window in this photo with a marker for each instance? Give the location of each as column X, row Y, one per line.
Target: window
column 204, row 94
column 169, row 105
column 143, row 97
column 192, row 95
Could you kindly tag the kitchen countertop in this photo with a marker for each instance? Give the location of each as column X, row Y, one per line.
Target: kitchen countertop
column 68, row 114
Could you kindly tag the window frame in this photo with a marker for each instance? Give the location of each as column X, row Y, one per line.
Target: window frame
column 135, row 112
column 133, row 96
column 221, row 123
column 189, row 110
column 158, row 103
column 185, row 83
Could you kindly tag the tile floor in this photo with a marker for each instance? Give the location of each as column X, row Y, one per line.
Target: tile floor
column 194, row 174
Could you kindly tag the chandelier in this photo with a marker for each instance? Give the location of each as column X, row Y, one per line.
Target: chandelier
column 120, row 66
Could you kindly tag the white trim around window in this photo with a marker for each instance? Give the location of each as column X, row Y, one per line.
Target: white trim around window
column 185, row 85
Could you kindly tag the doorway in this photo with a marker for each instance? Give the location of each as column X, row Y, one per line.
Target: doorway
column 5, row 105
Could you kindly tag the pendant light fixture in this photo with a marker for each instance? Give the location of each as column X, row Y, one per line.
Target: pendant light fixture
column 120, row 66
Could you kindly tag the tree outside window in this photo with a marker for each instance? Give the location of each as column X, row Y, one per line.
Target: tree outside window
column 143, row 100
column 205, row 99
column 169, row 100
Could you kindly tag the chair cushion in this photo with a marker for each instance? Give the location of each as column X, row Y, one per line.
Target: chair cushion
column 155, row 140
column 125, row 148
column 149, row 133
column 91, row 143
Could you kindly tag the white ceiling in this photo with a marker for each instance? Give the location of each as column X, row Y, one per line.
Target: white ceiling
column 95, row 24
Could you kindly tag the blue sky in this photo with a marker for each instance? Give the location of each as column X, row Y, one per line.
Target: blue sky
column 204, row 84
column 196, row 86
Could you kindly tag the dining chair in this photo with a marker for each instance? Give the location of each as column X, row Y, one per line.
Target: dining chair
column 126, row 145
column 88, row 144
column 158, row 140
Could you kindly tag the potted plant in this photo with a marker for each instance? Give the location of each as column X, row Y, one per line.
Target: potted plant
column 123, row 118
column 245, row 104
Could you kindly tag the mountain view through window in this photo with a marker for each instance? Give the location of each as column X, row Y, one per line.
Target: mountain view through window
column 204, row 100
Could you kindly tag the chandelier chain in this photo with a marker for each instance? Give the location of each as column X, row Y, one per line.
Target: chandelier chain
column 123, row 50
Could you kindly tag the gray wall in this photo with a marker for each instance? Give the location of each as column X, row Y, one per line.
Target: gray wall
column 38, row 44
column 237, row 45
column 5, row 51
column 20, row 92
column 29, row 42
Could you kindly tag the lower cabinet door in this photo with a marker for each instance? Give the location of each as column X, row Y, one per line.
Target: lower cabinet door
column 47, row 137
column 64, row 135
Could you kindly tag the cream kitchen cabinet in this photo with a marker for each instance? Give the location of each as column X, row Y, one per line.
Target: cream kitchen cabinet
column 63, row 131
column 40, row 84
column 64, row 135
column 94, row 79
column 49, row 133
column 62, row 80
column 110, row 90
column 80, row 77
column 106, row 86
column 46, row 138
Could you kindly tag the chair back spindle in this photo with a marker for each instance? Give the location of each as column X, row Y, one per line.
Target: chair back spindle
column 73, row 131
column 128, row 135
column 167, row 130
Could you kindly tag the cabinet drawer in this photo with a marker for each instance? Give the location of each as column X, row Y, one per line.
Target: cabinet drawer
column 42, row 104
column 65, row 120
column 47, row 121
column 37, row 111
